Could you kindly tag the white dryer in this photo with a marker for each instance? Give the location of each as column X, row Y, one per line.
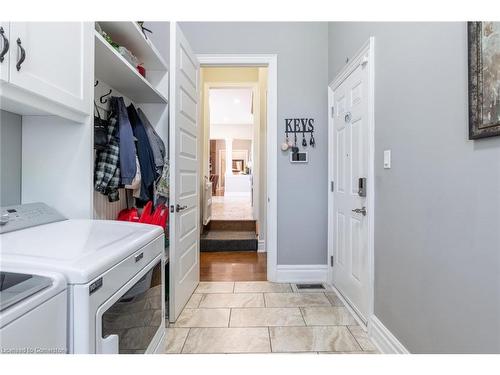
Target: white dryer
column 114, row 271
column 33, row 312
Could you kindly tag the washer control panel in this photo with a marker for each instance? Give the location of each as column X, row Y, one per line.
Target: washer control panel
column 26, row 216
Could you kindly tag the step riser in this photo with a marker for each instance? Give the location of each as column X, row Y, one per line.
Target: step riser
column 228, row 245
column 239, row 225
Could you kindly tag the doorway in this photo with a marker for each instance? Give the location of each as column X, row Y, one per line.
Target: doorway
column 234, row 119
column 351, row 172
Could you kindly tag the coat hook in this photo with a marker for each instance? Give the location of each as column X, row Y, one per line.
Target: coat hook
column 96, row 83
column 102, row 100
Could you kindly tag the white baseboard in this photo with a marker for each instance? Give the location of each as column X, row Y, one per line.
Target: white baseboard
column 353, row 312
column 385, row 341
column 261, row 246
column 307, row 273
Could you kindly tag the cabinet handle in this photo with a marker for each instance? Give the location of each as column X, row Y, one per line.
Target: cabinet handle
column 5, row 45
column 23, row 55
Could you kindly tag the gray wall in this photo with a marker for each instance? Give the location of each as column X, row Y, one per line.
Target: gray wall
column 437, row 229
column 302, row 50
column 10, row 158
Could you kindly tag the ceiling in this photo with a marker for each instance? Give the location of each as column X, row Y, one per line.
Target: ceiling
column 230, row 106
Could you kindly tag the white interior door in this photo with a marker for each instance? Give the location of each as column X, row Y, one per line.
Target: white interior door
column 184, row 159
column 350, row 145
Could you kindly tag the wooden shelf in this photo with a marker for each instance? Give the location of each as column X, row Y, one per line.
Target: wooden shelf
column 112, row 68
column 129, row 35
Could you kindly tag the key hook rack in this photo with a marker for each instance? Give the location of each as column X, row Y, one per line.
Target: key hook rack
column 297, row 126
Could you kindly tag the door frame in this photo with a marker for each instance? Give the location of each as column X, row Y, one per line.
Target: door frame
column 367, row 51
column 271, row 62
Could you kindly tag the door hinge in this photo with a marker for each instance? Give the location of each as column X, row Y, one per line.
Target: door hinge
column 331, row 260
column 332, row 186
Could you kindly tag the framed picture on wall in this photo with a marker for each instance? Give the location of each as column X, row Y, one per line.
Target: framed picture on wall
column 484, row 79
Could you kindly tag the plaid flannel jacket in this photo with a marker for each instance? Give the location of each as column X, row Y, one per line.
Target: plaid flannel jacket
column 107, row 167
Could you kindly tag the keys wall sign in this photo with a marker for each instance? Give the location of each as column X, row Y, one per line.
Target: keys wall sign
column 296, row 127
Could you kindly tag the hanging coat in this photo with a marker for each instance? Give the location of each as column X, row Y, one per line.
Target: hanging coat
column 155, row 142
column 127, row 146
column 107, row 166
column 145, row 155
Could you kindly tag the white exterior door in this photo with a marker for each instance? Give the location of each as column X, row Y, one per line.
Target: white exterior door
column 56, row 62
column 4, row 51
column 184, row 159
column 350, row 157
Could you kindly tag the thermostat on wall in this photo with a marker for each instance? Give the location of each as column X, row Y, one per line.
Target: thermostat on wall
column 298, row 157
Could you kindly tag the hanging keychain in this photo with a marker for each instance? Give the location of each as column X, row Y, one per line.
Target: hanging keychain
column 304, row 142
column 295, row 149
column 285, row 145
column 312, row 141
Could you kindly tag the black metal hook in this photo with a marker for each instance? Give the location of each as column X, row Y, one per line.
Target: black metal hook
column 102, row 97
column 96, row 83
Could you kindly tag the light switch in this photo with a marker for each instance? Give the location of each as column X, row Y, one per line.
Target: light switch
column 387, row 159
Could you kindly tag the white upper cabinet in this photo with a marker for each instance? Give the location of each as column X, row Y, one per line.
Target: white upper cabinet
column 53, row 63
column 4, row 51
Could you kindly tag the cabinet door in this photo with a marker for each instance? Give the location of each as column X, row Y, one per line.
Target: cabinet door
column 57, row 61
column 4, row 51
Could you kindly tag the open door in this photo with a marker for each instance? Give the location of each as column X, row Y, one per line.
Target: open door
column 184, row 165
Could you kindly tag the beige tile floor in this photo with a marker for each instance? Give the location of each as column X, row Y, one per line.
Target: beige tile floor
column 264, row 317
column 231, row 208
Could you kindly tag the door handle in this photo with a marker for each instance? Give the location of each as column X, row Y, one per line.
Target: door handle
column 180, row 208
column 23, row 55
column 5, row 48
column 361, row 210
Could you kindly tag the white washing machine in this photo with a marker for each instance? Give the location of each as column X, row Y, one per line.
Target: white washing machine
column 33, row 312
column 114, row 271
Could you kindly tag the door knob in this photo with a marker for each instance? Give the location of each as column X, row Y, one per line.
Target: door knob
column 347, row 117
column 361, row 210
column 180, row 208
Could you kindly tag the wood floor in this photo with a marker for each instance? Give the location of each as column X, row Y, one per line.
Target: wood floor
column 233, row 266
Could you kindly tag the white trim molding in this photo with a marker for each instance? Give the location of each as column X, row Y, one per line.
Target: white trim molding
column 305, row 273
column 271, row 61
column 383, row 339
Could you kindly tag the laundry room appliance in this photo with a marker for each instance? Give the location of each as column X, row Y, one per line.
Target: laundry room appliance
column 33, row 312
column 114, row 271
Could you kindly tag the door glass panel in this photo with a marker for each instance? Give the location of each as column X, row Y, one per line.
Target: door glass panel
column 137, row 315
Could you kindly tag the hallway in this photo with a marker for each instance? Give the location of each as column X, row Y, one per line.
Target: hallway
column 264, row 317
column 231, row 208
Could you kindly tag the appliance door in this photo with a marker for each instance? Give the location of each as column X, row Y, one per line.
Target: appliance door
column 130, row 321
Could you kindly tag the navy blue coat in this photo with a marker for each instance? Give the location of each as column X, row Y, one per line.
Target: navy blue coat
column 144, row 153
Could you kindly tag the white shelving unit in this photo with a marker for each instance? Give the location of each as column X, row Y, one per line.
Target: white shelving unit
column 129, row 35
column 113, row 69
column 114, row 72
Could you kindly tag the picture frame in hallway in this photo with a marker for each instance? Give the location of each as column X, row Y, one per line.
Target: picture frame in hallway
column 484, row 79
